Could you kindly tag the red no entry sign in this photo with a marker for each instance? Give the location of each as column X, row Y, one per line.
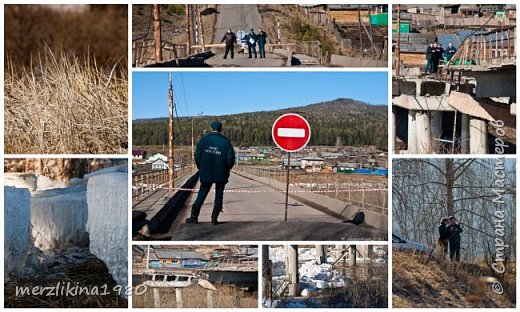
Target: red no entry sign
column 291, row 132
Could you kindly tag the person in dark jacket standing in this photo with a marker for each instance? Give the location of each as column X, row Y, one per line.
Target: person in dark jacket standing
column 429, row 60
column 444, row 234
column 454, row 230
column 262, row 39
column 215, row 157
column 251, row 39
column 230, row 38
column 450, row 51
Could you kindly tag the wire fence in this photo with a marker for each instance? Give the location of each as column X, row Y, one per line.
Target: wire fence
column 369, row 192
column 146, row 183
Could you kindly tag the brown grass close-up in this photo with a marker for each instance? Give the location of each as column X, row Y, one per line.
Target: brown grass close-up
column 65, row 106
column 66, row 81
column 99, row 32
column 422, row 282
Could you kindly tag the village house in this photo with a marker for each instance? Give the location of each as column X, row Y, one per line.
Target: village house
column 174, row 258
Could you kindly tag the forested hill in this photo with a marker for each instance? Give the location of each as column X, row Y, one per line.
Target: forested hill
column 357, row 123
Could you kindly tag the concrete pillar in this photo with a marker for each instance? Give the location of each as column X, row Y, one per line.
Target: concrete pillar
column 353, row 255
column 477, row 136
column 363, row 250
column 320, row 256
column 265, row 254
column 435, row 125
column 424, row 138
column 209, row 295
column 293, row 271
column 394, row 130
column 447, row 88
column 464, row 134
column 418, row 83
column 156, row 298
column 412, row 133
column 178, row 297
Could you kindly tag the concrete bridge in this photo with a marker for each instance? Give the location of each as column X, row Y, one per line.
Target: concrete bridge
column 254, row 210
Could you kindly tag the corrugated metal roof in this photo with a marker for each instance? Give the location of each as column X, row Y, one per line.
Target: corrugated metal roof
column 415, row 42
column 444, row 39
column 174, row 254
column 349, row 6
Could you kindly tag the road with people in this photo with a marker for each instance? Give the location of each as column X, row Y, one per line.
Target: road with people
column 255, row 211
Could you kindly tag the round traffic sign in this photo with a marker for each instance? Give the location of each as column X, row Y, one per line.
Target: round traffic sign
column 291, row 132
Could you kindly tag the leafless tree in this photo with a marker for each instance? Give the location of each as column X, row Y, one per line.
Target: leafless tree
column 426, row 190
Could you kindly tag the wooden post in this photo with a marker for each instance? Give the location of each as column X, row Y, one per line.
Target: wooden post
column 501, row 46
column 187, row 29
column 360, row 33
column 398, row 44
column 157, row 33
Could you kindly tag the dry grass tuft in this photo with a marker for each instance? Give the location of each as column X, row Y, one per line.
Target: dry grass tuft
column 420, row 283
column 66, row 105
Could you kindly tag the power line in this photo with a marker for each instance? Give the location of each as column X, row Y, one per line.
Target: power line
column 184, row 92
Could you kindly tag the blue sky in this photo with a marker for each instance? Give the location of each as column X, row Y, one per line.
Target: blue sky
column 220, row 93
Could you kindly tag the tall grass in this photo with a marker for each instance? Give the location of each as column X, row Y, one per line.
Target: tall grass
column 65, row 105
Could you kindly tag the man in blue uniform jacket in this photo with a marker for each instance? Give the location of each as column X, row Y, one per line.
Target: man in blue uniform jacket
column 215, row 158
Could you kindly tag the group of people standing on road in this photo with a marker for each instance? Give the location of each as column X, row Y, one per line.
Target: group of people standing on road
column 251, row 39
column 449, row 237
column 435, row 53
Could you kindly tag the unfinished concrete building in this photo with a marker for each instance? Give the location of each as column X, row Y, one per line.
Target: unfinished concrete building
column 468, row 107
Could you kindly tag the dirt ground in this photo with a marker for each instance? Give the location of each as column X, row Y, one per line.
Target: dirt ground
column 173, row 25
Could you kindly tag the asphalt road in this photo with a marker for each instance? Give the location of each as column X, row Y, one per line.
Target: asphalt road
column 260, row 216
column 238, row 17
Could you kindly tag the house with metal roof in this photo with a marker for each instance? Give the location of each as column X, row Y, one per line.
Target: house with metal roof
column 169, row 258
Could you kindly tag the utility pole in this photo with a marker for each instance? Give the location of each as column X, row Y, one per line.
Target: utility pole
column 371, row 32
column 398, row 44
column 187, row 30
column 360, row 33
column 201, row 29
column 157, row 33
column 194, row 26
column 171, row 168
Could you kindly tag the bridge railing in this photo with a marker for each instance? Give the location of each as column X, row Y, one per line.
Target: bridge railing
column 143, row 51
column 365, row 191
column 487, row 49
column 146, row 183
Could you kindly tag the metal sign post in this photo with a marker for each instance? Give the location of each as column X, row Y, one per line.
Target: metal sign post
column 287, row 186
column 291, row 133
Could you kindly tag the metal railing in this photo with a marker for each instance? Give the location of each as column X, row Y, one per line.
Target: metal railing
column 369, row 193
column 146, row 183
column 143, row 51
